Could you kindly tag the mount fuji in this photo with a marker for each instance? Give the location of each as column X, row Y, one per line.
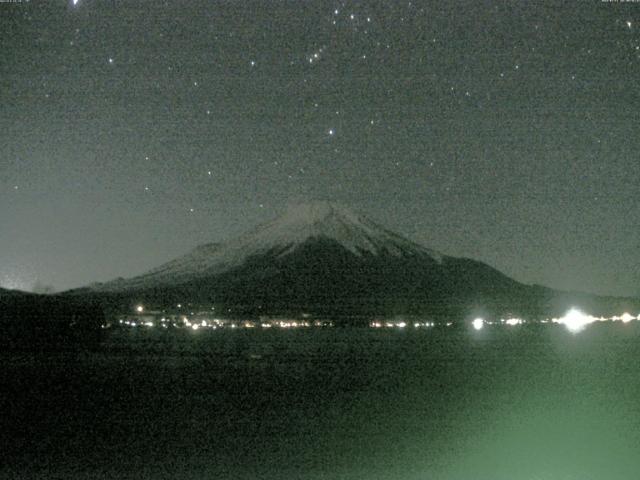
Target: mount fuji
column 298, row 229
column 325, row 259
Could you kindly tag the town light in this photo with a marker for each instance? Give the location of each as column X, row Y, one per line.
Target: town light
column 575, row 320
column 626, row 317
column 478, row 323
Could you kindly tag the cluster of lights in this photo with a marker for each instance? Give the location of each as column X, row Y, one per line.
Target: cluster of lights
column 194, row 323
column 378, row 324
column 424, row 324
column 576, row 321
column 401, row 324
column 513, row 321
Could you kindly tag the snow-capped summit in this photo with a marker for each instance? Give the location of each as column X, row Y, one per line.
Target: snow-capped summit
column 297, row 226
column 330, row 221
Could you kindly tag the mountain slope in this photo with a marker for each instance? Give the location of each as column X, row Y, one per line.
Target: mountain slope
column 279, row 238
column 322, row 258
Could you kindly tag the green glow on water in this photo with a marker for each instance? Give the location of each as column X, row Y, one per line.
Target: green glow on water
column 491, row 404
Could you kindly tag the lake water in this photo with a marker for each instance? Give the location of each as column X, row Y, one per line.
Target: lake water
column 512, row 403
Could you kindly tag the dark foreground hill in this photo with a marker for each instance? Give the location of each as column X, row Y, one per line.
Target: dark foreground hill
column 30, row 321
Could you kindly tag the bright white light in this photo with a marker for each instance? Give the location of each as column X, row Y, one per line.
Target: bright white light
column 626, row 317
column 513, row 321
column 139, row 309
column 402, row 325
column 478, row 323
column 575, row 320
column 195, row 326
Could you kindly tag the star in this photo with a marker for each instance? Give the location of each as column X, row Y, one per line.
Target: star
column 110, row 61
column 331, row 132
column 629, row 23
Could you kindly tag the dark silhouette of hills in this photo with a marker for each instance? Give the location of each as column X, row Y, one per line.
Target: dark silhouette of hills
column 31, row 321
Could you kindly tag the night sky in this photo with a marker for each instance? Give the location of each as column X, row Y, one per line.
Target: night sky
column 132, row 131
